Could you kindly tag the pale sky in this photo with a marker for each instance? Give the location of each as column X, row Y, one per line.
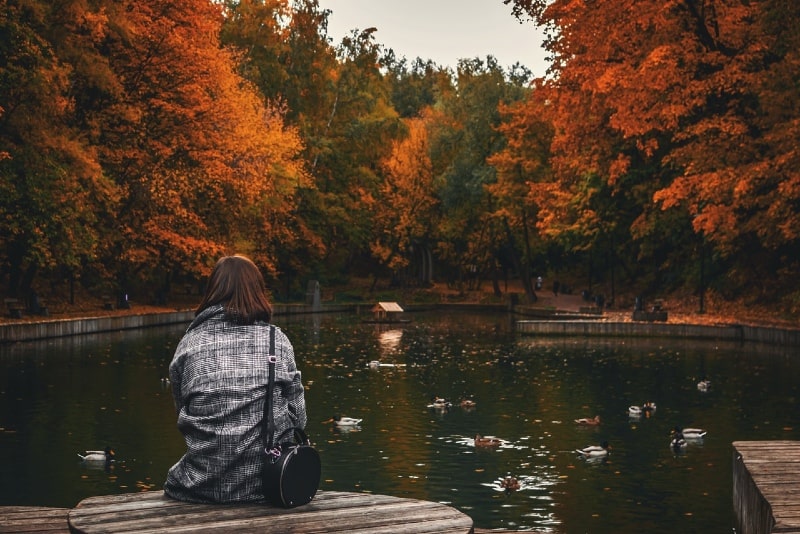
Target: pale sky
column 442, row 30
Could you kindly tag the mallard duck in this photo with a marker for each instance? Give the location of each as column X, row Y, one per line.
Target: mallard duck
column 635, row 411
column 338, row 420
column 589, row 420
column 510, row 484
column 467, row 403
column 487, row 441
column 703, row 385
column 678, row 442
column 594, row 451
column 691, row 433
column 375, row 364
column 440, row 403
column 106, row 455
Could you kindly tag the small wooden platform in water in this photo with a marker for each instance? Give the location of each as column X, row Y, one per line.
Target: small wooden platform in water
column 330, row 511
column 766, row 486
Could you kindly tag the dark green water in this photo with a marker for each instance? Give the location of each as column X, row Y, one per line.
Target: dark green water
column 60, row 397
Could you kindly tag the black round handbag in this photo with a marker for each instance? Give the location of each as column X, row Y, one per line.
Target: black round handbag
column 292, row 469
column 292, row 472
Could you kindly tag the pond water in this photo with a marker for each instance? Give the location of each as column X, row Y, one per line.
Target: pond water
column 63, row 396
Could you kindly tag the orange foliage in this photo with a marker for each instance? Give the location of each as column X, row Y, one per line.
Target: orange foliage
column 700, row 90
column 203, row 159
column 404, row 210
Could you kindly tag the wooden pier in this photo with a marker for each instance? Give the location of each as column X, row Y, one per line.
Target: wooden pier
column 766, row 486
column 329, row 512
column 34, row 520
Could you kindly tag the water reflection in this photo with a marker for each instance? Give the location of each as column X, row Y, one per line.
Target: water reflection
column 389, row 341
column 65, row 396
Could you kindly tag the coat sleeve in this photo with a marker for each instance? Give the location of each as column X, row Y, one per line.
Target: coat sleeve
column 175, row 379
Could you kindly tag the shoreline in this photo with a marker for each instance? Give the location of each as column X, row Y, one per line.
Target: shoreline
column 548, row 322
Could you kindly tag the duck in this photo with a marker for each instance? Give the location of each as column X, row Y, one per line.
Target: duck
column 704, row 385
column 467, row 403
column 678, row 443
column 649, row 408
column 106, row 455
column 591, row 421
column 376, row 364
column 439, row 403
column 487, row 441
column 338, row 420
column 510, row 484
column 594, row 451
column 691, row 433
column 634, row 411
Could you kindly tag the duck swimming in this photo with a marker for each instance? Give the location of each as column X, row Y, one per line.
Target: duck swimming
column 691, row 433
column 106, row 455
column 591, row 421
column 338, row 420
column 678, row 443
column 467, row 403
column 488, row 441
column 594, row 451
column 440, row 403
column 635, row 411
column 703, row 385
column 510, row 484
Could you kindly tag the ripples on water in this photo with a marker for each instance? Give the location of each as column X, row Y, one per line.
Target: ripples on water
column 64, row 396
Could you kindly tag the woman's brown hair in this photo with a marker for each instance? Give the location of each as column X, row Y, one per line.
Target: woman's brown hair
column 237, row 284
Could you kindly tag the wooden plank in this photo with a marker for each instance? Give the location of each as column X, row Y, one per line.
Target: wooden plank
column 234, row 517
column 328, row 512
column 767, row 486
column 34, row 519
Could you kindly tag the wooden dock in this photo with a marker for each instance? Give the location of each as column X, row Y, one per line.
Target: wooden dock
column 329, row 512
column 766, row 486
column 34, row 519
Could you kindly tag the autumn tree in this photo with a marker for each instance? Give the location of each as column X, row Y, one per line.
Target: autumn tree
column 470, row 239
column 524, row 182
column 338, row 99
column 694, row 101
column 284, row 52
column 403, row 212
column 55, row 197
column 357, row 135
column 156, row 123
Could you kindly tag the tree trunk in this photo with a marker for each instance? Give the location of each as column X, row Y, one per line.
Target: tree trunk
column 524, row 275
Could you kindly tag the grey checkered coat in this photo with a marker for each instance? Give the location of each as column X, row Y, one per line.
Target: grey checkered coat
column 219, row 378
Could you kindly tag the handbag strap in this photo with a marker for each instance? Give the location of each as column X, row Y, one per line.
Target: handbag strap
column 268, row 428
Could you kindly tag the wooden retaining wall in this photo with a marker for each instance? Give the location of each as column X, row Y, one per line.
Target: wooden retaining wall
column 50, row 328
column 766, row 486
column 741, row 333
column 91, row 325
